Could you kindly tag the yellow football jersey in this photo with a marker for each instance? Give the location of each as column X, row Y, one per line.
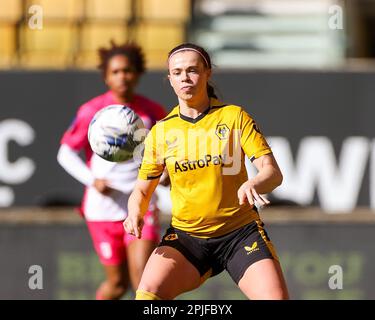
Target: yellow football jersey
column 205, row 158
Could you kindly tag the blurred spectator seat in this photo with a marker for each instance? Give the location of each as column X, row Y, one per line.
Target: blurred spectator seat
column 95, row 35
column 10, row 10
column 7, row 44
column 178, row 10
column 52, row 47
column 10, row 14
column 157, row 39
column 108, row 9
column 67, row 10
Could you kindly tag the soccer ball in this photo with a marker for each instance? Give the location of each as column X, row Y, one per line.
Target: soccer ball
column 111, row 133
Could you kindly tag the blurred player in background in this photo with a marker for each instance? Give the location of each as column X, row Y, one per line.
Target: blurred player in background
column 215, row 225
column 109, row 184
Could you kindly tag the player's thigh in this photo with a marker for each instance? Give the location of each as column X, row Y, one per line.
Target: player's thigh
column 168, row 273
column 264, row 280
column 254, row 264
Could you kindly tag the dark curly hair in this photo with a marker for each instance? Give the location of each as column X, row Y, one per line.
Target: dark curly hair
column 131, row 50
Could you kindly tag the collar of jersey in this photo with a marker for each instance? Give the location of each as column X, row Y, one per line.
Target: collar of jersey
column 213, row 102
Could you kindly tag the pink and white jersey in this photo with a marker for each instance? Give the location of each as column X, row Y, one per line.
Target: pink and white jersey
column 121, row 176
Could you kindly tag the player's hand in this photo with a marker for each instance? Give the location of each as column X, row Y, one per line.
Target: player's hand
column 133, row 225
column 101, row 185
column 248, row 193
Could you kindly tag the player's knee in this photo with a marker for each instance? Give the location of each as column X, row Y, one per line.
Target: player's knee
column 146, row 295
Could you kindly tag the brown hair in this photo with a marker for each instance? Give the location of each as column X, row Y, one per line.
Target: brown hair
column 131, row 50
column 205, row 57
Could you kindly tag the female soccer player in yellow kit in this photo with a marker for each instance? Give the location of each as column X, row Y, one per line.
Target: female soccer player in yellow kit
column 215, row 225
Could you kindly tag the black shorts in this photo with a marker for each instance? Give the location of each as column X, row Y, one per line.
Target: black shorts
column 235, row 251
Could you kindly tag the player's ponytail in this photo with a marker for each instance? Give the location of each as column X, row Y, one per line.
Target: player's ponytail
column 211, row 91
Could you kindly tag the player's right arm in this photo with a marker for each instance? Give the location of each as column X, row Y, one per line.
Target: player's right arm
column 138, row 203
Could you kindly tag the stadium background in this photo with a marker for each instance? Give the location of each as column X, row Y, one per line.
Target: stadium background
column 304, row 74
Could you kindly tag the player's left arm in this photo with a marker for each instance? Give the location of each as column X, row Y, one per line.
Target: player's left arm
column 267, row 179
column 257, row 149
